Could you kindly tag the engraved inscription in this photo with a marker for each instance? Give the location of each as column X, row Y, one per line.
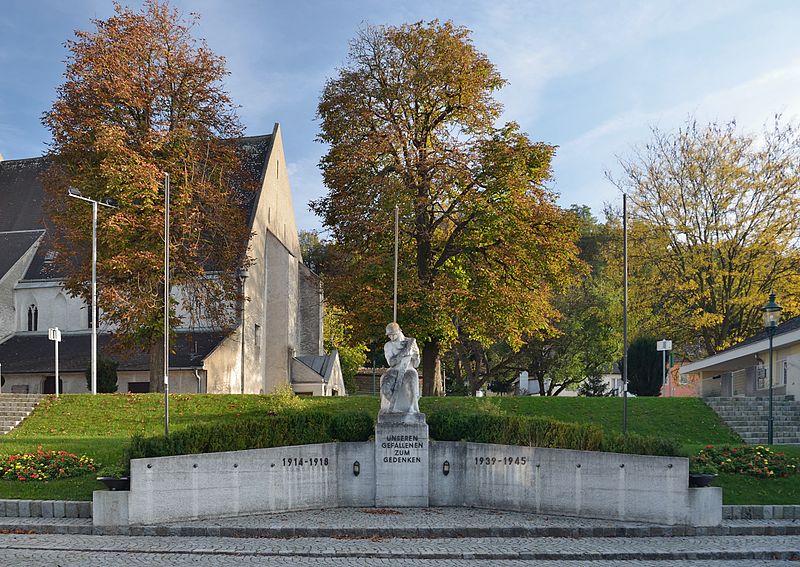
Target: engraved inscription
column 307, row 462
column 520, row 461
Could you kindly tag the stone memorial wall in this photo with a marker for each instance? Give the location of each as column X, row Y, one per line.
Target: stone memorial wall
column 402, row 468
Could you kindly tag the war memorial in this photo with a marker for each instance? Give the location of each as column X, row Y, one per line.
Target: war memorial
column 403, row 467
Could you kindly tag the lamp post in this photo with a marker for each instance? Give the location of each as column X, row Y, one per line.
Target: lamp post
column 624, row 312
column 166, row 304
column 75, row 193
column 242, row 277
column 772, row 314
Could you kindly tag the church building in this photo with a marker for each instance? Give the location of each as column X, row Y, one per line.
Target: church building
column 278, row 339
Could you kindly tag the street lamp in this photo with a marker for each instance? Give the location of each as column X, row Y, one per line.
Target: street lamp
column 72, row 192
column 167, row 297
column 772, row 314
column 242, row 273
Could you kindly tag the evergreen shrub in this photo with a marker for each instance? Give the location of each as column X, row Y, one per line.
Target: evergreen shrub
column 281, row 430
column 449, row 425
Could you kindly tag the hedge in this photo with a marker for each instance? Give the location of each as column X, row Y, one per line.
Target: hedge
column 448, row 425
column 308, row 427
column 284, row 429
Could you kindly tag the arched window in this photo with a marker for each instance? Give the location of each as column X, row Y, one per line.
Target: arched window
column 33, row 318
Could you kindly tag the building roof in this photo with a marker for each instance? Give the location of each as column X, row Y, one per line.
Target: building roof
column 35, row 353
column 741, row 355
column 22, row 195
column 786, row 327
column 13, row 246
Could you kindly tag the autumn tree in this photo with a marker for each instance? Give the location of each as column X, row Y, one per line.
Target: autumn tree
column 587, row 337
column 714, row 229
column 410, row 122
column 337, row 326
column 142, row 98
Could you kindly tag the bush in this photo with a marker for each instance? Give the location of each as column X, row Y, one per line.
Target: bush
column 106, row 375
column 44, row 465
column 290, row 428
column 753, row 460
column 634, row 444
column 450, row 425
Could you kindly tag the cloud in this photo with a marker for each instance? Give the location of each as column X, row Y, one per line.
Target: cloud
column 581, row 162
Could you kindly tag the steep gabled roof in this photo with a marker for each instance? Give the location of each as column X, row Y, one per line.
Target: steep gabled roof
column 22, row 195
column 13, row 245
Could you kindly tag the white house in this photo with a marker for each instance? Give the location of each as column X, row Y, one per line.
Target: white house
column 277, row 342
column 742, row 370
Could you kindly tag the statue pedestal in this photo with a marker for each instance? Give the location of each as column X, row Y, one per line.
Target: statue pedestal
column 401, row 460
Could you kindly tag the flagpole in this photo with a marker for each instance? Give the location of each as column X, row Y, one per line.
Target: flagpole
column 396, row 250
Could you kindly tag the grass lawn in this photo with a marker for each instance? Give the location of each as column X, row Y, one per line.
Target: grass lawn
column 99, row 427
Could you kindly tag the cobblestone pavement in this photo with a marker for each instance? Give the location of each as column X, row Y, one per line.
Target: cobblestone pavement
column 16, row 549
column 367, row 537
column 82, row 559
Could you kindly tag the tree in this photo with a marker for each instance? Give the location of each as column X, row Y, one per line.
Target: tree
column 645, row 374
column 410, row 121
column 339, row 335
column 714, row 230
column 587, row 335
column 141, row 98
column 314, row 251
column 594, row 386
column 106, row 375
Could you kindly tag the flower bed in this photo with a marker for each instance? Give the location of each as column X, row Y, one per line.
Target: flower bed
column 44, row 465
column 754, row 460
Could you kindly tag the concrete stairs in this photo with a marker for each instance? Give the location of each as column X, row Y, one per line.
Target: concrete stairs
column 747, row 416
column 16, row 407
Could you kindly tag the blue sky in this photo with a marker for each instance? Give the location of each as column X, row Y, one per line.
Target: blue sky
column 590, row 77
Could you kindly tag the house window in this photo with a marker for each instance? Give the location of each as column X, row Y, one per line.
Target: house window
column 761, row 378
column 257, row 335
column 89, row 316
column 783, row 366
column 33, row 318
column 684, row 379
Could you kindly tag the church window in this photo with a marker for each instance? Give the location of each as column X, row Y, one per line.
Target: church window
column 33, row 318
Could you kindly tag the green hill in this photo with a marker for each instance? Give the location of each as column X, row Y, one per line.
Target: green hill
column 100, row 426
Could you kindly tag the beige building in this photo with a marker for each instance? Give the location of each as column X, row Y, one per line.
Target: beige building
column 743, row 370
column 278, row 340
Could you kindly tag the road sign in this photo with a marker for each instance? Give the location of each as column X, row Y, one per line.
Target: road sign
column 664, row 345
column 54, row 334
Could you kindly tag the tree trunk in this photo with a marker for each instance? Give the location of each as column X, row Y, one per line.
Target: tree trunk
column 156, row 366
column 431, row 369
column 438, row 385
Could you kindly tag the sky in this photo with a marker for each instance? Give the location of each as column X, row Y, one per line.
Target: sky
column 591, row 77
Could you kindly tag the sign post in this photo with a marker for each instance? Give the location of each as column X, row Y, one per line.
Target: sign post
column 54, row 334
column 664, row 346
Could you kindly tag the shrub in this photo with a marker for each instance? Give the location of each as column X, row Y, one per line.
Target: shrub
column 634, row 444
column 289, row 428
column 452, row 425
column 44, row 465
column 753, row 460
column 106, row 375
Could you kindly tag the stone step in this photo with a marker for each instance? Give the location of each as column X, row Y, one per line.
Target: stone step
column 16, row 407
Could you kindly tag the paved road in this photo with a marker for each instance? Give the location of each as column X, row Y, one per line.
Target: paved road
column 84, row 550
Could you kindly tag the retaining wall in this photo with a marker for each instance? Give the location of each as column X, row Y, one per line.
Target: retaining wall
column 551, row 481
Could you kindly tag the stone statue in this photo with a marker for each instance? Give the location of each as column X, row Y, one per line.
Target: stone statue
column 400, row 383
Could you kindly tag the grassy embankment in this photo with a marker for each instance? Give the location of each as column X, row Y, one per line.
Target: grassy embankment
column 99, row 427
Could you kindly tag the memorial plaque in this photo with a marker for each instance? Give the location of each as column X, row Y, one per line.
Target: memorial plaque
column 401, row 463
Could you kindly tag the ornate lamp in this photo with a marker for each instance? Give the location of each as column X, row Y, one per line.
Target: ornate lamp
column 772, row 315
